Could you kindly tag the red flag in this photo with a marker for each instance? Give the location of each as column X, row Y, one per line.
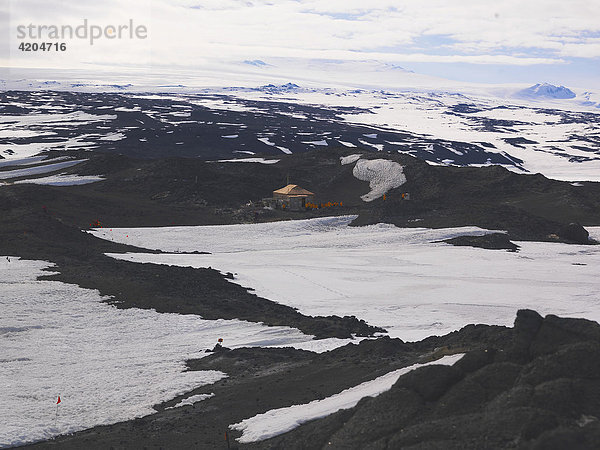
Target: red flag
column 58, row 401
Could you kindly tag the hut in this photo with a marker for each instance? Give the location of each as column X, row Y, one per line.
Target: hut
column 292, row 197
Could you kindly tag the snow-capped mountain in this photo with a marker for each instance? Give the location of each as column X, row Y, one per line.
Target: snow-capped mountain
column 547, row 91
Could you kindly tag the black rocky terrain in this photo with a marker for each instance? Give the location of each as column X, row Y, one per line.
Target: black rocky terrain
column 494, row 241
column 226, row 122
column 169, row 125
column 178, row 191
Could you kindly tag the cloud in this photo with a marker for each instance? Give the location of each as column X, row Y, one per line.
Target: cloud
column 196, row 32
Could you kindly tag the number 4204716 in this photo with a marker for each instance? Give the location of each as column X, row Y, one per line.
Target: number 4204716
column 42, row 47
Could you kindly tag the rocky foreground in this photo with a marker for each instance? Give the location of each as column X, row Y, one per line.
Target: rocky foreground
column 534, row 386
column 538, row 390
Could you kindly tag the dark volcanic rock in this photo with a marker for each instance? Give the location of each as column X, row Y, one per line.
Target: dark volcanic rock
column 574, row 233
column 540, row 391
column 430, row 382
column 494, row 241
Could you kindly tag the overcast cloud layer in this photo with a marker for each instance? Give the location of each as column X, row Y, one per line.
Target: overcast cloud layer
column 198, row 34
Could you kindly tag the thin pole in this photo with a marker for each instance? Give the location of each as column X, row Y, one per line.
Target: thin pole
column 56, row 416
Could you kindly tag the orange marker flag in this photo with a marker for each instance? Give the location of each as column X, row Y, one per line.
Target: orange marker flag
column 58, row 401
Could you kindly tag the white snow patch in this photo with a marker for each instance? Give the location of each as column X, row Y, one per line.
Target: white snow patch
column 250, row 160
column 11, row 134
column 231, row 136
column 322, row 345
column 382, row 175
column 434, row 163
column 113, row 137
column 45, row 119
column 63, row 179
column 349, row 159
column 21, row 151
column 278, row 421
column 30, row 161
column 379, row 147
column 5, row 175
column 180, row 114
column 321, row 143
column 594, row 233
column 285, row 150
column 125, row 109
column 191, row 400
column 247, row 152
column 266, row 141
column 347, row 144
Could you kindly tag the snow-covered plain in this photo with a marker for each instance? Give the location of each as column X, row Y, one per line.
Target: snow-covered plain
column 395, row 278
column 278, row 421
column 107, row 364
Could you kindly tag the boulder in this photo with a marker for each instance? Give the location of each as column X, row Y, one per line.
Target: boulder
column 574, row 233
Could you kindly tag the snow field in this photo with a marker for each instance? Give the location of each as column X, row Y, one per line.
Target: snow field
column 279, row 421
column 107, row 364
column 398, row 279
